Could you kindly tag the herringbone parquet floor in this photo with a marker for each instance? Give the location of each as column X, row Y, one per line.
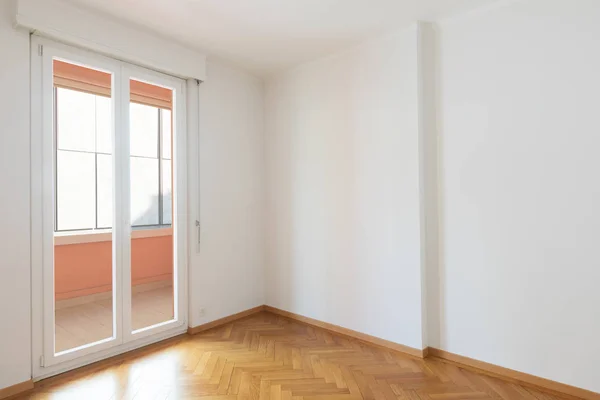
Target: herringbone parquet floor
column 267, row 357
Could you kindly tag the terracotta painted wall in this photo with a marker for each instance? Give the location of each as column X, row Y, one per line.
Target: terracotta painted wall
column 86, row 268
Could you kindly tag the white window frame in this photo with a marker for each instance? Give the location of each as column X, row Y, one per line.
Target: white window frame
column 45, row 362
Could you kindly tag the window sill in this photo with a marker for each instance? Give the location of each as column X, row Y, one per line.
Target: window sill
column 105, row 235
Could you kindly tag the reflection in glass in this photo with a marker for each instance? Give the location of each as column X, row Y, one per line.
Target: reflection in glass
column 144, row 191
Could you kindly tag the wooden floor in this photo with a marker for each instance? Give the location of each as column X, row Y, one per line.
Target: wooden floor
column 90, row 322
column 267, row 357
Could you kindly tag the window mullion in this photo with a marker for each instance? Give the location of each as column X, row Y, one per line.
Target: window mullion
column 160, row 182
column 95, row 162
column 96, row 189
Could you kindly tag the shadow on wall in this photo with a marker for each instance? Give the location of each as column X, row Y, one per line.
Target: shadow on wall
column 310, row 211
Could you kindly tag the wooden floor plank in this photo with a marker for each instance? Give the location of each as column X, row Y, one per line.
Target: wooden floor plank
column 267, row 357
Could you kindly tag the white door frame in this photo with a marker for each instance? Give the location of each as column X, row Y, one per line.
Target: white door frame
column 44, row 361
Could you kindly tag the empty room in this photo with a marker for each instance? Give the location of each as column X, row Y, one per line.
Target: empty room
column 300, row 199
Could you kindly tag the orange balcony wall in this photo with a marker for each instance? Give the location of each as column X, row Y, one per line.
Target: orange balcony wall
column 83, row 269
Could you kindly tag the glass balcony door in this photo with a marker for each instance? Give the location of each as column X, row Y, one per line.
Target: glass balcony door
column 112, row 184
column 154, row 285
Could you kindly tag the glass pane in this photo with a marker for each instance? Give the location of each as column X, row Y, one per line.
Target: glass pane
column 144, row 130
column 151, row 252
column 166, row 192
column 75, row 120
column 166, row 133
column 105, row 191
column 75, row 190
column 103, row 125
column 83, row 265
column 144, row 191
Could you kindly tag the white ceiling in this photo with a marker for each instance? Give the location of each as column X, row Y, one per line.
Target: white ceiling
column 266, row 36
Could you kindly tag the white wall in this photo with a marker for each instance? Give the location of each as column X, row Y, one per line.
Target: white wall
column 519, row 188
column 227, row 275
column 15, row 337
column 343, row 229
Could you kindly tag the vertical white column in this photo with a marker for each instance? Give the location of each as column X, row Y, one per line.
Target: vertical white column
column 427, row 48
column 193, row 189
